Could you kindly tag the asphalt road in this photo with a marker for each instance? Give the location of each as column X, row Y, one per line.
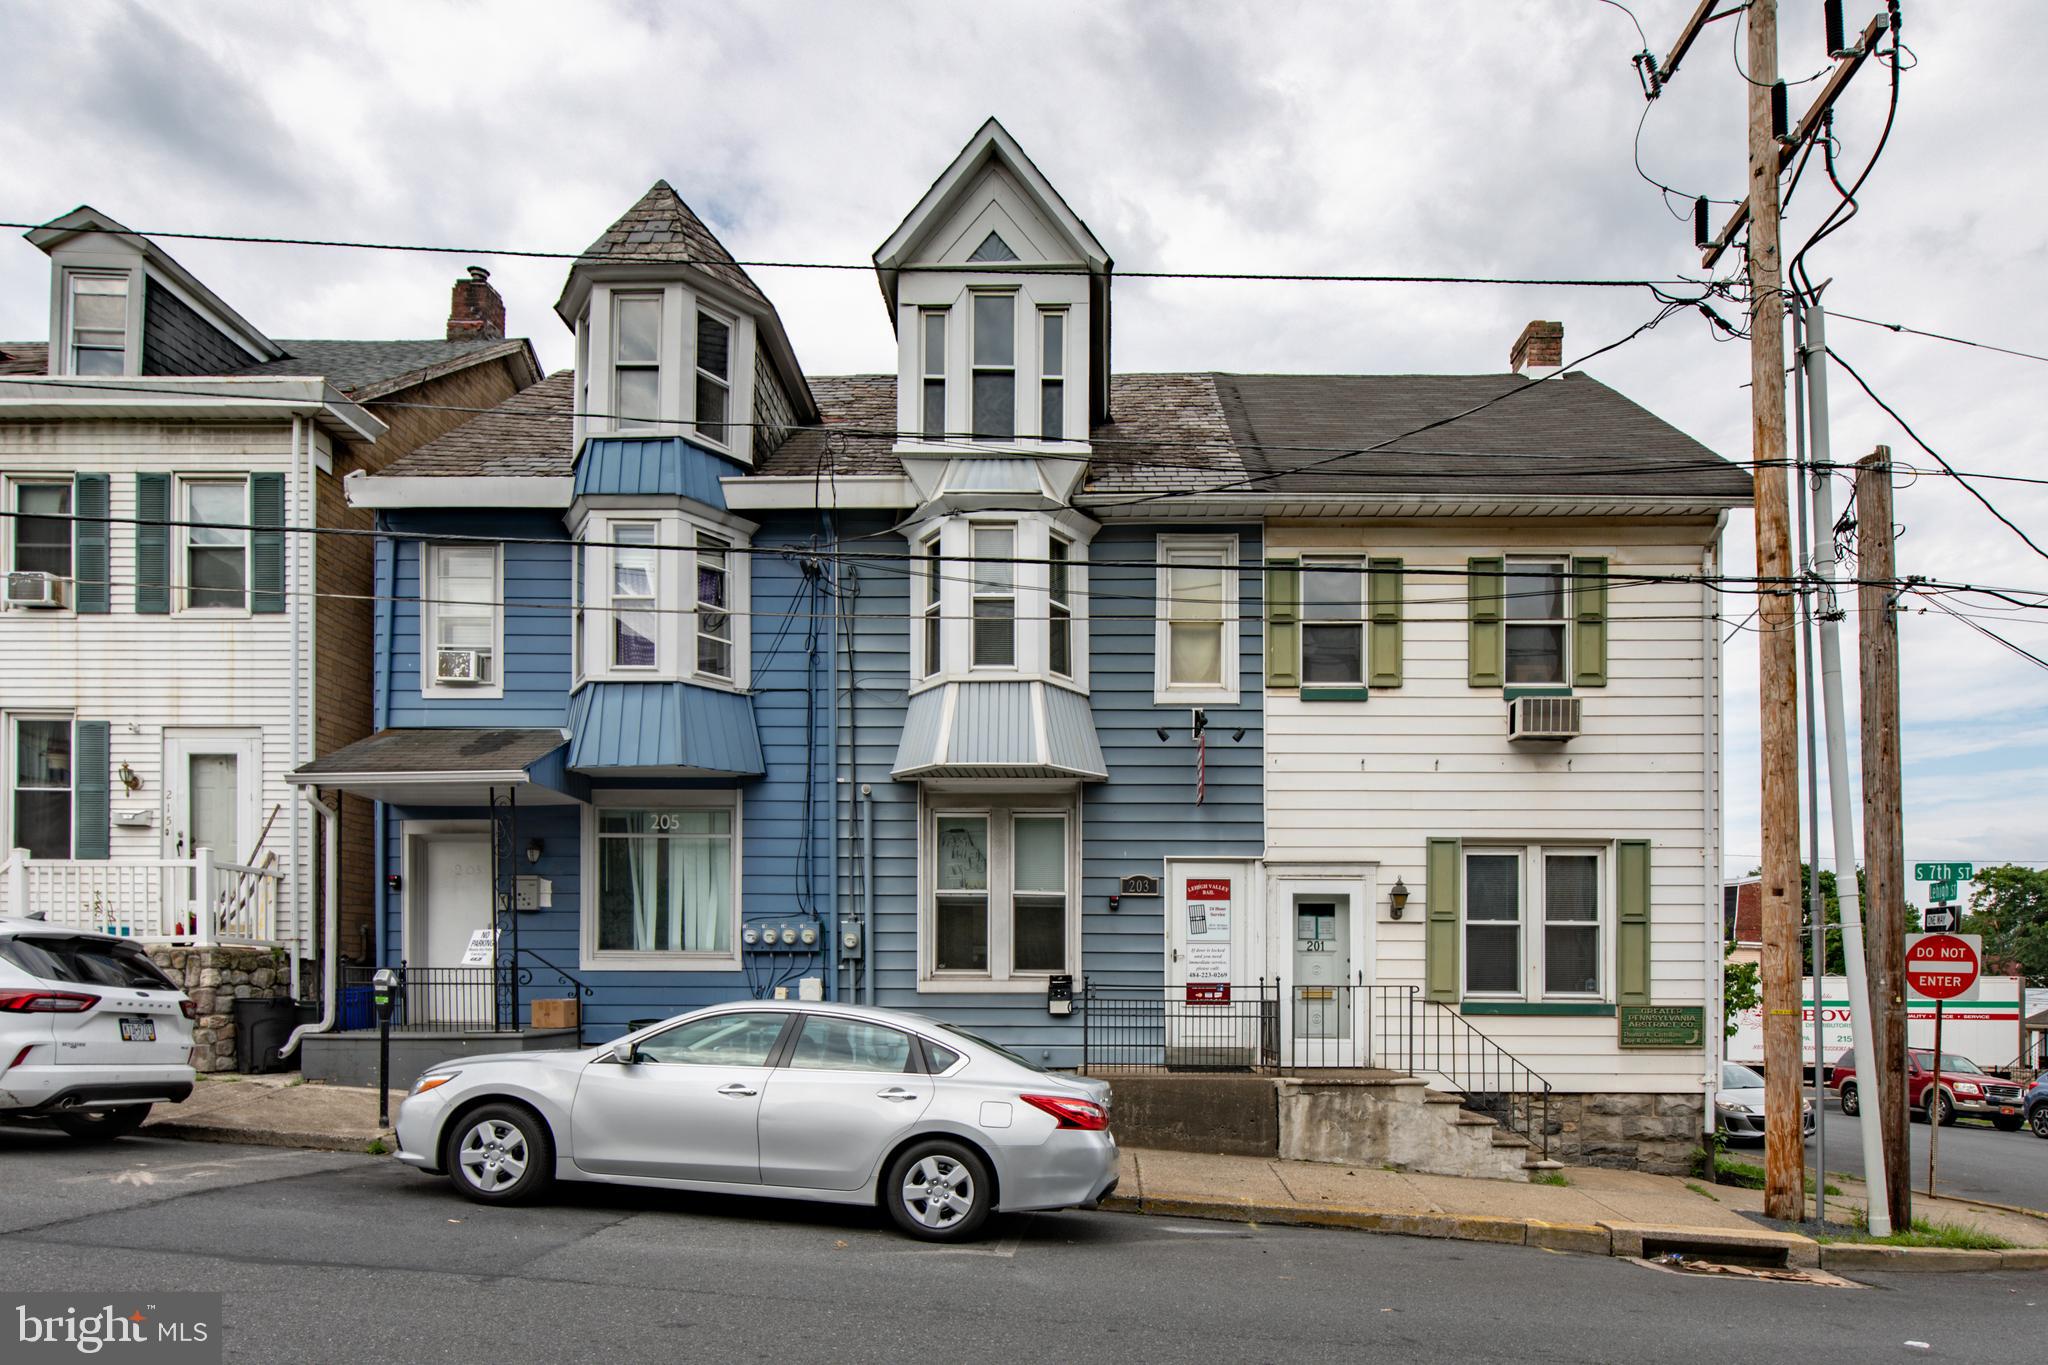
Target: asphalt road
column 1977, row 1161
column 328, row 1257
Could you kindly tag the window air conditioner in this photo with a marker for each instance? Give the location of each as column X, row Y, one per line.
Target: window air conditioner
column 1544, row 717
column 35, row 590
column 460, row 667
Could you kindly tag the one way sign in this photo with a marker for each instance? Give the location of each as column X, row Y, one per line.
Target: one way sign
column 1939, row 919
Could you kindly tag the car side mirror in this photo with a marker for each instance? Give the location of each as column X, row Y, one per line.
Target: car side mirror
column 623, row 1052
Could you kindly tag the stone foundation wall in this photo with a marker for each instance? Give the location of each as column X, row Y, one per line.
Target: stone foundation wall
column 1654, row 1133
column 215, row 978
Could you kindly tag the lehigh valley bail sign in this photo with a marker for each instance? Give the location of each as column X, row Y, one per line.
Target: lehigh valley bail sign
column 1207, row 907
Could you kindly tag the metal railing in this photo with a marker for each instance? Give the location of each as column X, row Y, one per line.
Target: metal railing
column 1279, row 1029
column 194, row 900
column 445, row 999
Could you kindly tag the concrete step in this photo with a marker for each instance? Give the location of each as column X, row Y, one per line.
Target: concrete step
column 1508, row 1137
column 1536, row 1163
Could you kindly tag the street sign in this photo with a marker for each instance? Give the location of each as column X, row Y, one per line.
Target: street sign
column 1939, row 919
column 1942, row 966
column 1942, row 892
column 1944, row 872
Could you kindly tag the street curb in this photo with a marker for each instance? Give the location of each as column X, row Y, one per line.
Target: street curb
column 1851, row 1256
column 262, row 1137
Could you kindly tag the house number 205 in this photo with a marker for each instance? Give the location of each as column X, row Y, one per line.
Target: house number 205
column 666, row 823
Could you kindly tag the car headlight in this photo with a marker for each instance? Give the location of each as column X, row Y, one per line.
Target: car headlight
column 1740, row 1108
column 433, row 1080
column 1965, row 1088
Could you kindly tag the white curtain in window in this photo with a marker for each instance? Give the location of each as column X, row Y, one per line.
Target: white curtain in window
column 702, row 869
column 645, row 859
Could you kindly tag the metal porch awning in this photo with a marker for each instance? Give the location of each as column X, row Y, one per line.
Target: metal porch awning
column 449, row 767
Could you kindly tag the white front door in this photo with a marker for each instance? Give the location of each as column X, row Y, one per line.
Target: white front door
column 213, row 783
column 1319, row 926
column 1215, row 1018
column 449, row 903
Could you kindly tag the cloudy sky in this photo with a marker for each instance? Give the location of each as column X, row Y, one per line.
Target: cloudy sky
column 1420, row 137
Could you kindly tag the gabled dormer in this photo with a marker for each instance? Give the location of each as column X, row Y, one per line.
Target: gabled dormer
column 999, row 294
column 120, row 306
column 673, row 338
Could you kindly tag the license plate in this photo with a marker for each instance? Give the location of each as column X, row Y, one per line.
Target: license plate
column 2007, row 1109
column 138, row 1030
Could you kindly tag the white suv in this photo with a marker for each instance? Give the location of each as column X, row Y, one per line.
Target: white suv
column 92, row 1033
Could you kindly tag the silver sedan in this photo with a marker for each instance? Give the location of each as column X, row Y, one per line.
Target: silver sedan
column 825, row 1102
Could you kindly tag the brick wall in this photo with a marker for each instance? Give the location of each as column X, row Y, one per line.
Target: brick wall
column 344, row 627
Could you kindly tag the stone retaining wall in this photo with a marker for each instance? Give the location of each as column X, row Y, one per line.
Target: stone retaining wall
column 215, row 978
column 1654, row 1133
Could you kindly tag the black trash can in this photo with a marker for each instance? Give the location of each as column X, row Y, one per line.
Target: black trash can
column 261, row 1028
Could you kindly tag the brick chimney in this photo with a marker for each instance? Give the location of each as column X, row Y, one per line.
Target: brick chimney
column 1539, row 350
column 476, row 312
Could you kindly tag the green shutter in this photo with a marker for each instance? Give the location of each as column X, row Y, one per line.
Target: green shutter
column 1440, row 920
column 1283, row 623
column 152, row 544
column 1485, row 588
column 90, row 790
column 1383, row 628
column 1589, row 621
column 266, row 542
column 91, row 595
column 1632, row 922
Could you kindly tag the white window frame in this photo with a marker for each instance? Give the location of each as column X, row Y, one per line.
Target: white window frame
column 579, row 576
column 1533, row 890
column 977, row 593
column 591, row 957
column 10, row 534
column 1356, row 565
column 975, row 369
column 1001, row 812
column 1052, row 372
column 1562, row 564
column 713, row 543
column 1059, row 606
column 181, row 572
column 928, row 376
column 614, row 407
column 1165, row 692
column 733, row 420
column 650, row 604
column 12, row 731
column 430, row 623
column 931, row 615
column 129, row 330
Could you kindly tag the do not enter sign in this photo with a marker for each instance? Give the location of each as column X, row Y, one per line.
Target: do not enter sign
column 1942, row 966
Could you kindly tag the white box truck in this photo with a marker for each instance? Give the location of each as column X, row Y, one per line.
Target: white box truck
column 1984, row 1024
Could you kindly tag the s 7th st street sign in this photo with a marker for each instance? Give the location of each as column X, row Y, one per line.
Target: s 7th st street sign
column 1943, row 872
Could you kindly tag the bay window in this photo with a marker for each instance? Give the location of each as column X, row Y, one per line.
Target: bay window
column 216, row 544
column 714, row 607
column 1000, row 904
column 665, row 883
column 1052, row 369
column 462, row 615
column 933, row 320
column 634, row 618
column 714, row 377
column 1332, row 621
column 636, row 359
column 995, row 597
column 98, row 323
column 1534, row 926
column 1060, row 613
column 1535, row 612
column 932, row 619
column 1196, row 639
column 995, row 367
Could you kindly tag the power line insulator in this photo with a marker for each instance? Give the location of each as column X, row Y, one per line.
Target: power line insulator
column 1701, row 236
column 1780, row 125
column 1832, row 10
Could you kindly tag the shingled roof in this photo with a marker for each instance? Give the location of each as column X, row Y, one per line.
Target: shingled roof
column 364, row 369
column 24, row 357
column 1223, row 433
column 661, row 227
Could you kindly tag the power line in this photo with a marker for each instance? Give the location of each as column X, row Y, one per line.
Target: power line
column 1937, row 336
column 1992, row 635
column 1265, row 276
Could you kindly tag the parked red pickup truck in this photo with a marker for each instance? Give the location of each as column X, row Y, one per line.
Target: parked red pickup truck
column 1965, row 1089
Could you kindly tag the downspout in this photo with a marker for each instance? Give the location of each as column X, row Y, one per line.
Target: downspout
column 867, row 893
column 1713, row 967
column 300, row 604
column 330, row 961
column 831, row 931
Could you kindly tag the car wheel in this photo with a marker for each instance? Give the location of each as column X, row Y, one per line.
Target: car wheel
column 1850, row 1103
column 2008, row 1123
column 499, row 1154
column 938, row 1191
column 1941, row 1109
column 2039, row 1120
column 103, row 1125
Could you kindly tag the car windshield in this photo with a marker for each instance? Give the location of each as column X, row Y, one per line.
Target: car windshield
column 85, row 962
column 1737, row 1077
column 1950, row 1061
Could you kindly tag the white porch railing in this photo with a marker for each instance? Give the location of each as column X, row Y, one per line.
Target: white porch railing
column 161, row 900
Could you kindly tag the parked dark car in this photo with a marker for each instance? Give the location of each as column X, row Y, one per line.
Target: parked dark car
column 2036, row 1109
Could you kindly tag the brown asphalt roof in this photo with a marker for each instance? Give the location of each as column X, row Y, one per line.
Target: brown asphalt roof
column 529, row 434
column 437, row 751
column 661, row 227
column 24, row 357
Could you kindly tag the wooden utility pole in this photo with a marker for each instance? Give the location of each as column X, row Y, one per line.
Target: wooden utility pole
column 1884, row 913
column 1778, row 680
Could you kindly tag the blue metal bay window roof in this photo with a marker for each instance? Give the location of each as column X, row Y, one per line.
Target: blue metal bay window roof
column 999, row 730
column 672, row 729
column 670, row 466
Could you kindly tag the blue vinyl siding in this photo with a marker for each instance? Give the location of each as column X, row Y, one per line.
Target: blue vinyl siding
column 536, row 665
column 1142, row 815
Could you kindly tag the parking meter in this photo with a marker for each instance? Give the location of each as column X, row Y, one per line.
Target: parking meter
column 384, row 994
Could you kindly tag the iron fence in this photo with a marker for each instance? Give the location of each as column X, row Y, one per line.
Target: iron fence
column 1275, row 1028
column 448, row 999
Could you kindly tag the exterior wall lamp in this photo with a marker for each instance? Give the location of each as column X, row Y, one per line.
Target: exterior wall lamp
column 1397, row 899
column 533, row 848
column 129, row 780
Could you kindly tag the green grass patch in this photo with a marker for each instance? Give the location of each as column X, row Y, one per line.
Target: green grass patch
column 1549, row 1178
column 1948, row 1236
column 1702, row 1191
column 376, row 1147
column 1746, row 1175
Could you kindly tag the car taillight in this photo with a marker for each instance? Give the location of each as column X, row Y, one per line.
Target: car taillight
column 19, row 1058
column 46, row 1002
column 188, row 1009
column 1071, row 1111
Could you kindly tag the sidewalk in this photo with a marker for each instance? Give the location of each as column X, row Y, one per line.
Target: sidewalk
column 275, row 1111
